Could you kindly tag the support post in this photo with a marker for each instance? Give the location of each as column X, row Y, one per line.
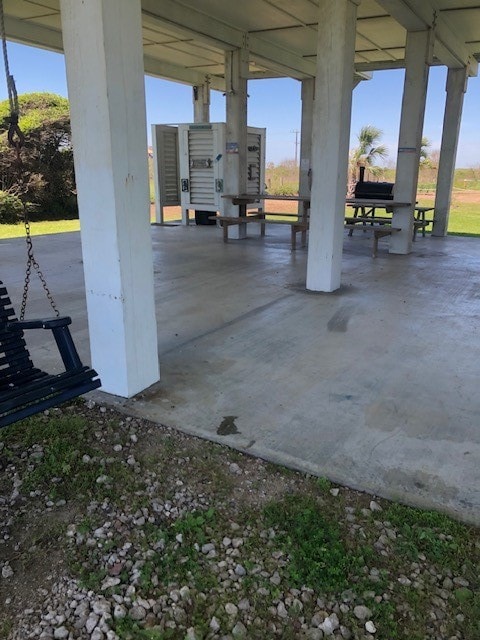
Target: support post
column 201, row 102
column 235, row 176
column 104, row 59
column 308, row 98
column 418, row 55
column 456, row 87
column 331, row 133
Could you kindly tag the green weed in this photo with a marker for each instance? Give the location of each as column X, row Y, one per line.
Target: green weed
column 318, row 556
column 440, row 538
column 61, row 472
column 323, row 484
column 128, row 629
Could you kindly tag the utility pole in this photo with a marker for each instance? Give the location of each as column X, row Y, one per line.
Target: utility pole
column 296, row 132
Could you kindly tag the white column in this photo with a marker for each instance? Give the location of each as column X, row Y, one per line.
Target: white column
column 308, row 96
column 104, row 58
column 418, row 55
column 331, row 133
column 456, row 87
column 235, row 168
column 201, row 102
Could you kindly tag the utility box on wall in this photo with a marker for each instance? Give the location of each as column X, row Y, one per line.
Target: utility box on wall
column 200, row 169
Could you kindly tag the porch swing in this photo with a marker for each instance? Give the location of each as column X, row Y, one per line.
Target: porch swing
column 25, row 389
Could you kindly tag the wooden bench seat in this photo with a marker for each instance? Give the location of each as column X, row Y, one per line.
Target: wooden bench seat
column 366, row 222
column 380, row 230
column 420, row 224
column 25, row 389
column 296, row 224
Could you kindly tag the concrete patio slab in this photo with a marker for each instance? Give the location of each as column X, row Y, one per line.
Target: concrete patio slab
column 374, row 386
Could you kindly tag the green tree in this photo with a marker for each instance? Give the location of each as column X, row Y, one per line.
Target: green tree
column 424, row 152
column 43, row 176
column 367, row 153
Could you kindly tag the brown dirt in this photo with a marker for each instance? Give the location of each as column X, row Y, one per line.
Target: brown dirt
column 281, row 206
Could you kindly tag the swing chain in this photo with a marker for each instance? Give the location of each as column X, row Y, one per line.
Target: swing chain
column 32, row 262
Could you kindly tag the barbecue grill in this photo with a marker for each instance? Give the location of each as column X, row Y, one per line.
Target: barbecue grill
column 366, row 190
column 374, row 190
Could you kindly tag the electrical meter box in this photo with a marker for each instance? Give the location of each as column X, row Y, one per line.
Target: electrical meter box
column 197, row 163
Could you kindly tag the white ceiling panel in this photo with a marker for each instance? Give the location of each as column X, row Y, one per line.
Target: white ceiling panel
column 186, row 39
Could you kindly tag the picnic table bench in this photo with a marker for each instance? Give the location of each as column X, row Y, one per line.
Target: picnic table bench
column 297, row 225
column 367, row 210
column 380, row 227
column 298, row 222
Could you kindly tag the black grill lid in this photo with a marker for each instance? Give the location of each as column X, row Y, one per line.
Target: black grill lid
column 374, row 190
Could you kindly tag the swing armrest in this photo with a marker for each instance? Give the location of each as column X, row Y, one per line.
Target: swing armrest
column 61, row 333
column 47, row 323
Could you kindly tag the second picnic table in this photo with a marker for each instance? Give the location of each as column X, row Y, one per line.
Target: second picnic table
column 298, row 221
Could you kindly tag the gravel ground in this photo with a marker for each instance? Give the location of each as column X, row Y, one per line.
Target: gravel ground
column 124, row 529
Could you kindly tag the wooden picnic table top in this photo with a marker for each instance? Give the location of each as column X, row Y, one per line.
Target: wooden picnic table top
column 369, row 219
column 361, row 202
column 250, row 198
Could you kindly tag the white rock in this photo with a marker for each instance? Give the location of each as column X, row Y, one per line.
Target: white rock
column 330, row 624
column 374, row 506
column 370, row 627
column 110, row 582
column 137, row 613
column 244, row 604
column 143, row 603
column 7, row 571
column 239, row 630
column 361, row 612
column 185, row 593
column 231, row 609
column 119, row 611
column 60, row 633
column 214, row 624
column 101, row 607
column 281, row 610
column 91, row 622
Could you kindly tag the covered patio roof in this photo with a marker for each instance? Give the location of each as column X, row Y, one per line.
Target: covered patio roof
column 220, row 44
column 186, row 40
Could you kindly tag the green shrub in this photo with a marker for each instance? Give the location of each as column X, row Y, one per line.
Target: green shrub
column 46, row 180
column 11, row 208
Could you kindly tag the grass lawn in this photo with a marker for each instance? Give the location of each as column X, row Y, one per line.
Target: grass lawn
column 464, row 220
column 39, row 228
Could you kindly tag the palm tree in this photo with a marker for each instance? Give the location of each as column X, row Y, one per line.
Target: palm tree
column 368, row 151
column 424, row 152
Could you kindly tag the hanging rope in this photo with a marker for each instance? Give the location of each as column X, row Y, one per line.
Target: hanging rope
column 15, row 135
column 16, row 140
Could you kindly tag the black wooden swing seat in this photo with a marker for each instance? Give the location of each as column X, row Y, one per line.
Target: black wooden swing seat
column 24, row 389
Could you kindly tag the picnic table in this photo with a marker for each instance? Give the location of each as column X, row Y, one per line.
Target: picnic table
column 368, row 210
column 298, row 222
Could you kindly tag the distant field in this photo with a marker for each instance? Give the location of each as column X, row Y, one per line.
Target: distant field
column 464, row 216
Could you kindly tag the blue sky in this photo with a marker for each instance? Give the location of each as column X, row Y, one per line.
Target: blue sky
column 275, row 104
